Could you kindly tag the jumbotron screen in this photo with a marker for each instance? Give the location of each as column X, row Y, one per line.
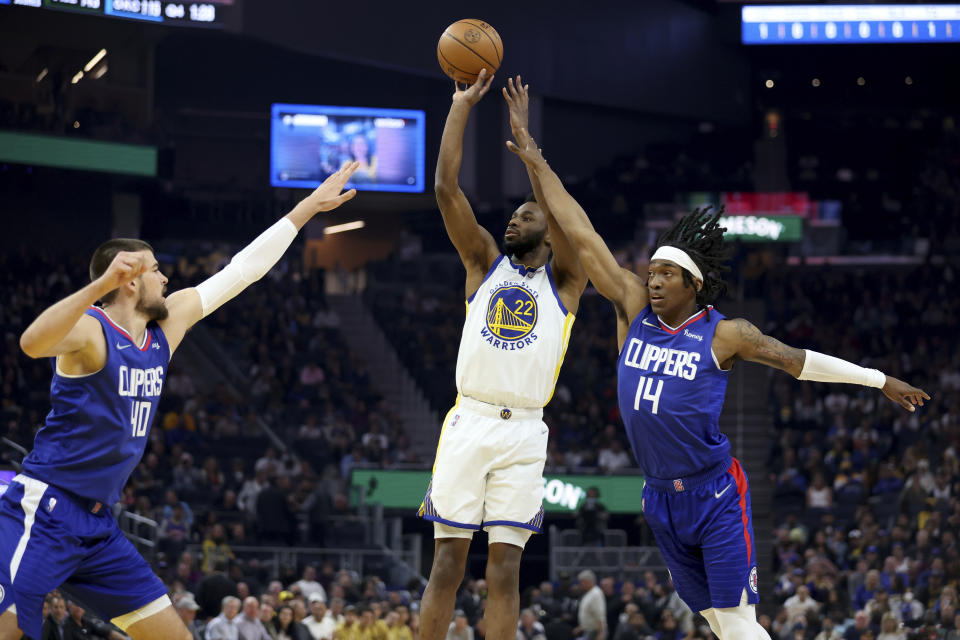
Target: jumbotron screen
column 211, row 13
column 850, row 23
column 309, row 142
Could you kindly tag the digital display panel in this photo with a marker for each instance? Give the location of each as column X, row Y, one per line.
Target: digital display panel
column 211, row 13
column 850, row 23
column 309, row 142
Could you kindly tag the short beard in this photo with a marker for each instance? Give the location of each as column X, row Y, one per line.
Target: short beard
column 155, row 312
column 521, row 247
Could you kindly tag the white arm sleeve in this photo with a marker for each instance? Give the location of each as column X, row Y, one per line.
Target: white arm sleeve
column 248, row 266
column 823, row 368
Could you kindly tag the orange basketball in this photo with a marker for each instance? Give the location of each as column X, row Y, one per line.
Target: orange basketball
column 466, row 47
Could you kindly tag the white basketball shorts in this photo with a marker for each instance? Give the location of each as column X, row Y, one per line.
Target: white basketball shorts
column 489, row 469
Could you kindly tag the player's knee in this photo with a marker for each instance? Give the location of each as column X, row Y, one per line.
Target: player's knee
column 503, row 568
column 448, row 566
column 737, row 622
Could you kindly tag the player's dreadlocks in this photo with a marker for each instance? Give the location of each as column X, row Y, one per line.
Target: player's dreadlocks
column 701, row 236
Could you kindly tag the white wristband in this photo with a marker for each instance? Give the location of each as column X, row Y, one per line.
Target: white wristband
column 820, row 367
column 248, row 266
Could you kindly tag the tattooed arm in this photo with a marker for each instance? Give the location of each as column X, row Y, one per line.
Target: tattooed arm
column 739, row 340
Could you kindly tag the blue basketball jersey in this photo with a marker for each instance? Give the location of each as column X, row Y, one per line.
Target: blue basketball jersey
column 97, row 428
column 671, row 392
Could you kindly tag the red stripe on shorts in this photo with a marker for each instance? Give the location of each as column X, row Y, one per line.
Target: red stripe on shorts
column 737, row 472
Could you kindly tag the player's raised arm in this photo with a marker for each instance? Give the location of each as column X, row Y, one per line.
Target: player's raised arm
column 570, row 274
column 63, row 327
column 189, row 306
column 738, row 339
column 475, row 245
column 619, row 285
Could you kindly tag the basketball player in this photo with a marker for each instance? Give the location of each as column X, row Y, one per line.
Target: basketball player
column 488, row 472
column 676, row 353
column 109, row 365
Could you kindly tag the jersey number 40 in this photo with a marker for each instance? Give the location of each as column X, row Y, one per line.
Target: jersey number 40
column 139, row 418
column 645, row 392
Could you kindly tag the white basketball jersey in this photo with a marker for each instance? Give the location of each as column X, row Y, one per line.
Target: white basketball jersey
column 514, row 337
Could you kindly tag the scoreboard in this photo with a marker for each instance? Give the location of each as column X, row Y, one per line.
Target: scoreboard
column 850, row 23
column 211, row 13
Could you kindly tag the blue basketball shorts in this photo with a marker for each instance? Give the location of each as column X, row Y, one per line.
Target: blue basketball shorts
column 49, row 538
column 704, row 528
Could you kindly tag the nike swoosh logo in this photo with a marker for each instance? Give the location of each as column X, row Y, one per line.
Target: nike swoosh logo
column 123, row 346
column 720, row 493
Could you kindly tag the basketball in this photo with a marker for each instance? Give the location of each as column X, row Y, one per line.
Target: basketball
column 466, row 47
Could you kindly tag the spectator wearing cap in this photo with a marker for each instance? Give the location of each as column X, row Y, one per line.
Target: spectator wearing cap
column 249, row 626
column 459, row 629
column 320, row 625
column 187, row 608
column 222, row 627
column 308, row 584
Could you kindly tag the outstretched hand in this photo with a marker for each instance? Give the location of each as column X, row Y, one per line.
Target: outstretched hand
column 472, row 94
column 517, row 96
column 904, row 394
column 526, row 148
column 327, row 196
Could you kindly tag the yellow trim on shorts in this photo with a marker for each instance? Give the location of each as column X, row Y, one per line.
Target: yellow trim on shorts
column 567, row 328
column 152, row 608
column 446, row 419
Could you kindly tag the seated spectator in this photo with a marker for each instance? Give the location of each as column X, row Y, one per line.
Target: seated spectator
column 349, row 627
column 799, row 604
column 308, row 584
column 286, row 627
column 53, row 623
column 186, row 607
column 397, row 628
column 215, row 548
column 460, row 628
column 860, row 627
column 320, row 623
column 819, row 495
column 222, row 627
column 529, row 628
column 78, row 625
column 613, row 458
column 249, row 626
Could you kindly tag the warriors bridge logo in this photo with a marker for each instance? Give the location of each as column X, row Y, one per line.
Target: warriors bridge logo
column 512, row 313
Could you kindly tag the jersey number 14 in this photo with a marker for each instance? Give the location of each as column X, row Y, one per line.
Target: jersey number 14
column 645, row 392
column 139, row 418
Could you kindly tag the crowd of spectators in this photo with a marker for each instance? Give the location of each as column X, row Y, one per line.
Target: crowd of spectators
column 868, row 495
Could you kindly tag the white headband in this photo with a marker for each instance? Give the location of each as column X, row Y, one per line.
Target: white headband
column 680, row 257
